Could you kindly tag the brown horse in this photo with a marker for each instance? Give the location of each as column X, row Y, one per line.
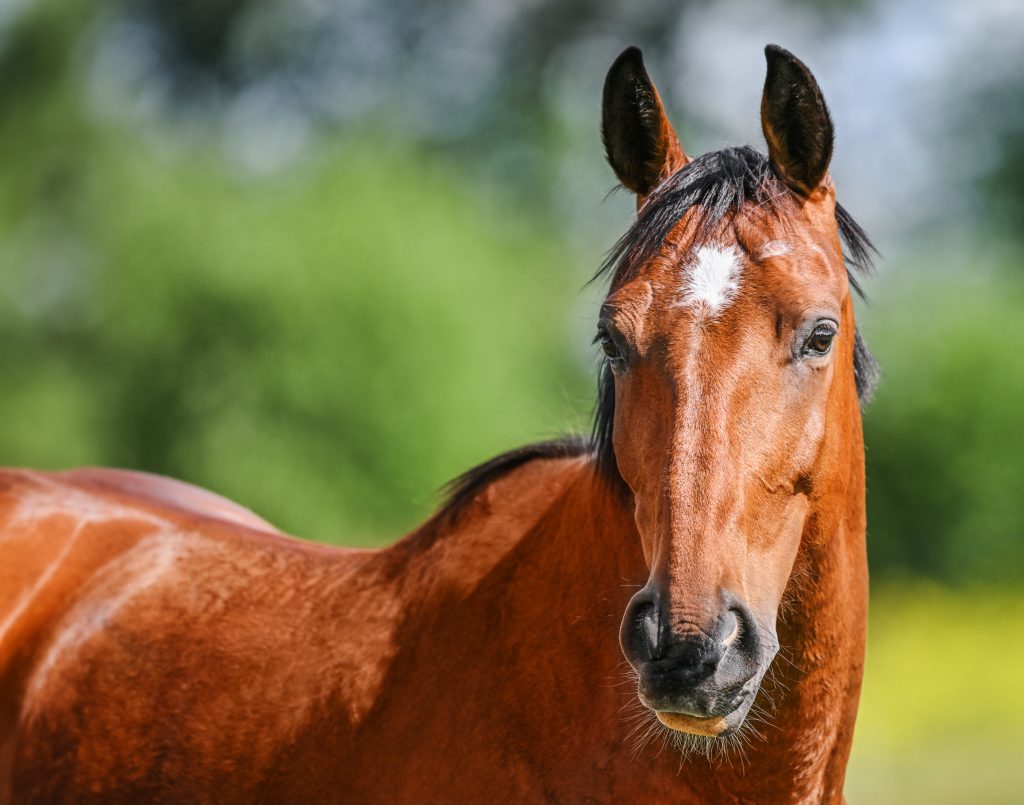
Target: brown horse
column 158, row 643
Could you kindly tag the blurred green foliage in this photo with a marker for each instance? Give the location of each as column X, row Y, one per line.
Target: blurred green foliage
column 945, row 442
column 326, row 348
column 330, row 344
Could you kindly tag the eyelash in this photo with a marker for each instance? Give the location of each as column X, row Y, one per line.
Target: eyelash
column 608, row 346
column 822, row 330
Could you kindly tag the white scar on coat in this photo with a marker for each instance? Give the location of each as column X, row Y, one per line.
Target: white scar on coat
column 773, row 248
column 711, row 279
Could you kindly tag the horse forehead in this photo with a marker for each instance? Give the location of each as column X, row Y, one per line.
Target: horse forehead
column 782, row 261
column 791, row 249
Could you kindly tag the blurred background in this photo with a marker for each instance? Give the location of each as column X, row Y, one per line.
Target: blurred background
column 322, row 256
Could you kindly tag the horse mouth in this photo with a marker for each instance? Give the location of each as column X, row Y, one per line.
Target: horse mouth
column 713, row 726
column 708, row 727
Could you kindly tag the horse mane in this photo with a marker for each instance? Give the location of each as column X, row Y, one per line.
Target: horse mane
column 719, row 183
column 464, row 488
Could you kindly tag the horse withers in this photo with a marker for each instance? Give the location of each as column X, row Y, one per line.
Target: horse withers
column 159, row 643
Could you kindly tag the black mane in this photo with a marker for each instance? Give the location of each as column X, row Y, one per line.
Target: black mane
column 719, row 184
column 463, row 489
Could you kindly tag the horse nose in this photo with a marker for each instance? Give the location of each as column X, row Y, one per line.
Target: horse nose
column 694, row 651
column 699, row 666
column 694, row 656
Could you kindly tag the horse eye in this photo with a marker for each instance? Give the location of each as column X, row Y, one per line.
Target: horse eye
column 608, row 346
column 820, row 341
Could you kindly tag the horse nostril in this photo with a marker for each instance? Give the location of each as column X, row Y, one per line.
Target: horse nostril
column 650, row 625
column 738, row 629
column 642, row 635
column 732, row 632
column 689, row 652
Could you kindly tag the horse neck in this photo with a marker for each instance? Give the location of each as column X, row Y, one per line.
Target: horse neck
column 551, row 527
column 532, row 579
column 511, row 605
column 822, row 630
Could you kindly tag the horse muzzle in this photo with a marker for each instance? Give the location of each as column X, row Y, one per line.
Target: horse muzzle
column 697, row 680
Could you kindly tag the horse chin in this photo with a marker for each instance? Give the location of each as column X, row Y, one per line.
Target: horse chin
column 719, row 726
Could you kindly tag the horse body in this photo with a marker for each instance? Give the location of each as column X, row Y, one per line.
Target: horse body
column 274, row 666
column 160, row 643
column 154, row 651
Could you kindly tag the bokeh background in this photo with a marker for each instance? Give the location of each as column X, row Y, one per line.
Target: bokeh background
column 322, row 256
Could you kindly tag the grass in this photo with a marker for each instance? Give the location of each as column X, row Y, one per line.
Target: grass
column 941, row 717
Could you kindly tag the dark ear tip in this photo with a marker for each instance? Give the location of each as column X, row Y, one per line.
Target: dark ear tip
column 780, row 58
column 625, row 68
column 631, row 56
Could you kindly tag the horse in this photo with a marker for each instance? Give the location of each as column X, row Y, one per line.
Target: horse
column 672, row 607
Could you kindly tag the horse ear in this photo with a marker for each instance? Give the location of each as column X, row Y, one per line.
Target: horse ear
column 639, row 142
column 796, row 122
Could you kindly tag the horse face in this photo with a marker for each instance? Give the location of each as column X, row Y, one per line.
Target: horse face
column 731, row 347
column 725, row 358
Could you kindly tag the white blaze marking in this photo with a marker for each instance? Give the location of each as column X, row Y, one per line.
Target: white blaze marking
column 711, row 279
